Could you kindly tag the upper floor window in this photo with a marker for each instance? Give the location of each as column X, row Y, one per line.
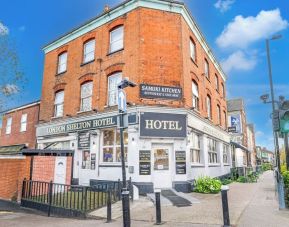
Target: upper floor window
column 116, row 39
column 212, row 150
column 86, row 96
column 195, row 92
column 223, row 90
column 8, row 125
column 58, row 104
column 88, row 51
column 209, row 107
column 207, row 69
column 219, row 114
column 217, row 82
column 193, row 50
column 62, row 62
column 113, row 81
column 23, row 125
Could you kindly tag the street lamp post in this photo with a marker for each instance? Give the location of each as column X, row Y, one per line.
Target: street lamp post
column 122, row 125
column 275, row 134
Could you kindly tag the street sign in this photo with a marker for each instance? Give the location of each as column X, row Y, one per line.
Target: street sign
column 121, row 97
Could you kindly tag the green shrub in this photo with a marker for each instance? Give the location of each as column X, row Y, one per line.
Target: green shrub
column 242, row 179
column 286, row 178
column 207, row 185
column 266, row 166
column 226, row 181
column 283, row 168
column 251, row 177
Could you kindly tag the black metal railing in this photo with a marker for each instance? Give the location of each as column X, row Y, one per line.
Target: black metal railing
column 49, row 196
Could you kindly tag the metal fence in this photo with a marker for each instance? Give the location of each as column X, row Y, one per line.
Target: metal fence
column 68, row 200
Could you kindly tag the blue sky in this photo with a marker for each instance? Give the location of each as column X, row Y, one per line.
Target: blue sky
column 235, row 30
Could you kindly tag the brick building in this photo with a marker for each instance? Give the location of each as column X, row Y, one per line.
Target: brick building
column 176, row 114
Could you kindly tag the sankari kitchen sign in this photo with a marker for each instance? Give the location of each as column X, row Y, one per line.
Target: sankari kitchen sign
column 163, row 125
column 162, row 92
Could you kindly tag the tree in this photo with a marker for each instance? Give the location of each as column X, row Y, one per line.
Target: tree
column 11, row 76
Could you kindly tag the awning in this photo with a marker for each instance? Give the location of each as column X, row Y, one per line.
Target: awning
column 237, row 145
column 12, row 150
column 46, row 152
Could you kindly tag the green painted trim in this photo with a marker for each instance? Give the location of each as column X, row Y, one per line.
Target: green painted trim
column 173, row 7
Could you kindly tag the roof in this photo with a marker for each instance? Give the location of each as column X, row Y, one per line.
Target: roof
column 126, row 7
column 235, row 105
column 45, row 151
column 12, row 150
column 21, row 107
column 240, row 146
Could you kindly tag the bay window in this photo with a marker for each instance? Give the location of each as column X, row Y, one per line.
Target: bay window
column 111, row 145
column 195, row 149
column 212, row 150
column 225, row 153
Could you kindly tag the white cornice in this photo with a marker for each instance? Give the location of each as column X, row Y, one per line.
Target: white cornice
column 128, row 6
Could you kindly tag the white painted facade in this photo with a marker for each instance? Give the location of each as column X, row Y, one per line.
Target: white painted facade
column 157, row 178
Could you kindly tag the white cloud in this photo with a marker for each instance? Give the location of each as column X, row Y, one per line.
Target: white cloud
column 3, row 29
column 239, row 61
column 22, row 28
column 224, row 5
column 259, row 134
column 243, row 31
column 9, row 89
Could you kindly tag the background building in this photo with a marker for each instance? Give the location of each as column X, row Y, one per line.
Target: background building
column 177, row 113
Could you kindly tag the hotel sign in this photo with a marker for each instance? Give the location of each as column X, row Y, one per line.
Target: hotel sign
column 160, row 92
column 86, row 125
column 163, row 125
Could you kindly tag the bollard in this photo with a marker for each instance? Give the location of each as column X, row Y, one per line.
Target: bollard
column 158, row 207
column 108, row 218
column 225, row 206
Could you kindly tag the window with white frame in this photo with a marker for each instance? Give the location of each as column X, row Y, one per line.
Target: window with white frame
column 217, row 82
column 195, row 148
column 209, row 107
column 116, row 39
column 62, row 62
column 58, row 104
column 212, row 150
column 8, row 125
column 226, row 153
column 223, row 90
column 111, row 145
column 207, row 69
column 86, row 96
column 219, row 114
column 88, row 51
column 113, row 81
column 195, row 92
column 23, row 125
column 193, row 50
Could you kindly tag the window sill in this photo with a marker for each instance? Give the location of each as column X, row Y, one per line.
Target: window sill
column 84, row 111
column 196, row 110
column 54, row 118
column 195, row 63
column 214, row 164
column 114, row 52
column 61, row 73
column 226, row 164
column 86, row 63
column 197, row 165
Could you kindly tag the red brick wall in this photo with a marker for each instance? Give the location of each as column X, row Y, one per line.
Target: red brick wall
column 12, row 173
column 44, row 167
column 156, row 51
column 16, row 137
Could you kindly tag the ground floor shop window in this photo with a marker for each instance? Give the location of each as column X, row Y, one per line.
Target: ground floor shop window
column 225, row 153
column 86, row 159
column 195, row 148
column 111, row 145
column 212, row 150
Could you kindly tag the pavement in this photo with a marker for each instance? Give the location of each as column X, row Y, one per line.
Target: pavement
column 252, row 204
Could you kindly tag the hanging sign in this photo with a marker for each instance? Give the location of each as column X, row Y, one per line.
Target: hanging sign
column 161, row 92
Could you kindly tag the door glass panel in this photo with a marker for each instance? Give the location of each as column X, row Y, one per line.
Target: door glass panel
column 161, row 159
